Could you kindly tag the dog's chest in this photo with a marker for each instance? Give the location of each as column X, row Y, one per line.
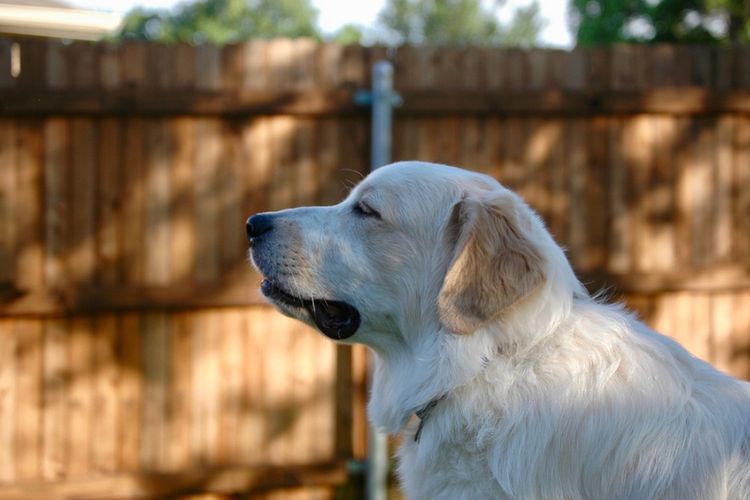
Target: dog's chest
column 451, row 465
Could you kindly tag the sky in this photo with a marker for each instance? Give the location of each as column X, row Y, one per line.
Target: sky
column 336, row 13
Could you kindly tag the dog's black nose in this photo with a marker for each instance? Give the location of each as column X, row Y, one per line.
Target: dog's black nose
column 258, row 225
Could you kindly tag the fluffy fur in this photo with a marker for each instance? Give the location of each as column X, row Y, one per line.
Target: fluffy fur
column 546, row 392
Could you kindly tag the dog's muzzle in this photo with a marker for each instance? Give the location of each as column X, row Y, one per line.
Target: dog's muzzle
column 336, row 319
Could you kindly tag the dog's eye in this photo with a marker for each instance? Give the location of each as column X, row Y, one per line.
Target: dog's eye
column 364, row 210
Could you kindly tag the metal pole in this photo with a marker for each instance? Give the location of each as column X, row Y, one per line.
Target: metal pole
column 382, row 113
column 382, row 99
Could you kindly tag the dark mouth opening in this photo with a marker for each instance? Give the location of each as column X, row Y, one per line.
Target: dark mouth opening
column 337, row 320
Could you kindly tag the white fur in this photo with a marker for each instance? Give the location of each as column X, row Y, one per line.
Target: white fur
column 558, row 397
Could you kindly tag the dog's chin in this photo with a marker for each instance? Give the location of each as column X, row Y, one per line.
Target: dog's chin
column 335, row 319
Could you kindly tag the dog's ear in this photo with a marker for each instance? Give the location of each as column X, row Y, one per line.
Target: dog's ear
column 494, row 264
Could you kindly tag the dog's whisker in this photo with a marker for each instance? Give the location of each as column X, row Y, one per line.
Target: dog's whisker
column 356, row 172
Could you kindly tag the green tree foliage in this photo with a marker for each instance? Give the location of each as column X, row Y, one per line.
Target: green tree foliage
column 456, row 22
column 349, row 34
column 223, row 21
column 653, row 21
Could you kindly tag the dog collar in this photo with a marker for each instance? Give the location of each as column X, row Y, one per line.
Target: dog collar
column 424, row 413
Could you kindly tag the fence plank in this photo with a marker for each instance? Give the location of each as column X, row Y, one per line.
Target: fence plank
column 322, row 427
column 540, row 143
column 156, row 368
column 178, row 451
column 518, row 69
column 82, row 223
column 538, row 69
column 106, row 378
column 721, row 232
column 158, row 58
column 308, row 183
column 157, row 223
column 28, row 399
column 132, row 61
column 208, row 67
column 29, row 275
column 557, row 168
column 701, row 66
column 282, row 193
column 741, row 183
column 471, row 149
column 495, row 71
column 109, row 65
column 742, row 79
column 84, row 65
column 328, row 168
column 57, row 180
column 740, row 366
column 640, row 148
column 277, row 379
column 204, row 397
column 133, row 200
column 8, row 389
column 514, row 134
column 256, row 157
column 212, row 378
column 33, row 62
column 703, row 217
column 6, row 77
column 492, row 149
column 661, row 205
column 329, row 64
column 598, row 151
column 231, row 390
column 689, row 315
column 722, row 324
column 256, row 64
column 109, row 174
column 344, row 402
column 80, row 410
column 619, row 245
column 183, row 238
column 58, row 71
column 360, row 364
column 303, row 64
column 663, row 64
column 254, row 426
column 230, row 187
column 302, row 388
column 355, row 71
column 580, row 204
column 56, row 375
column 130, row 391
column 207, row 171
column 8, row 203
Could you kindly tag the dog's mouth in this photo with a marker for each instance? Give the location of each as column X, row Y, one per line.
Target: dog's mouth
column 337, row 320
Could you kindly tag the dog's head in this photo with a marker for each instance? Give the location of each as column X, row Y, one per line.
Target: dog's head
column 414, row 244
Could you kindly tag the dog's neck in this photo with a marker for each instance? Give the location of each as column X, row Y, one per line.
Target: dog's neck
column 436, row 363
column 406, row 381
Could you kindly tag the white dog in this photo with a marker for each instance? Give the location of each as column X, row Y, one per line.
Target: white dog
column 525, row 386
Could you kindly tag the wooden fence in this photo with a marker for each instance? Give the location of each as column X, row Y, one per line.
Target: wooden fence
column 136, row 358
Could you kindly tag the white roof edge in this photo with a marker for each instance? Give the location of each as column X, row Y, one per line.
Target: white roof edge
column 57, row 22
